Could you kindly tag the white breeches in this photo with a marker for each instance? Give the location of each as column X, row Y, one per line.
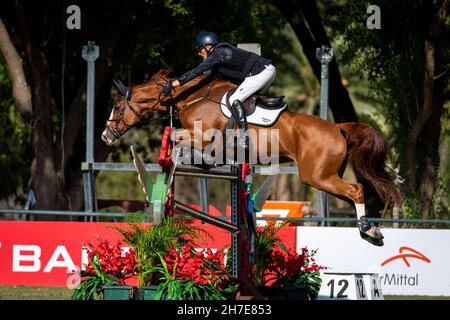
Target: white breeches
column 254, row 84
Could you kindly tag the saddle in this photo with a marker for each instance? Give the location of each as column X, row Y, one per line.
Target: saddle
column 264, row 102
column 260, row 110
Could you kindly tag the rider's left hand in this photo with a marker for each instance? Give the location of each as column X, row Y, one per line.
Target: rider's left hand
column 167, row 88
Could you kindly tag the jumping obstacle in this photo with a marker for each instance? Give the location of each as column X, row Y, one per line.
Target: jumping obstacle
column 161, row 194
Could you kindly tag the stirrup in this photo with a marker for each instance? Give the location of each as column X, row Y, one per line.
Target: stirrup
column 242, row 141
column 242, row 145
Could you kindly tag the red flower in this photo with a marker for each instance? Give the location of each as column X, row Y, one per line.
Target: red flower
column 112, row 260
column 285, row 267
column 201, row 267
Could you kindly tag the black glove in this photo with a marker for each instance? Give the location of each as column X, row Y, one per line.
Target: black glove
column 168, row 88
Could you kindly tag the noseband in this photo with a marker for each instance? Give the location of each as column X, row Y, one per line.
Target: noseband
column 116, row 132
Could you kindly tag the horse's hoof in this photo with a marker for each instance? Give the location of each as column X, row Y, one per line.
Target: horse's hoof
column 374, row 232
column 374, row 241
column 369, row 228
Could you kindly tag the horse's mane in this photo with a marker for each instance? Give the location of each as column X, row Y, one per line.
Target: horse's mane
column 162, row 73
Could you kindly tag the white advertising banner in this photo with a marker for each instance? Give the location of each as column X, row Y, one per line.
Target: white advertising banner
column 411, row 262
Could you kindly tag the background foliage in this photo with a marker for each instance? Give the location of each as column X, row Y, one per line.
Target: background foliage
column 381, row 69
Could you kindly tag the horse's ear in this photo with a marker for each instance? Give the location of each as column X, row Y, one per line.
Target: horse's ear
column 121, row 87
column 164, row 73
column 168, row 72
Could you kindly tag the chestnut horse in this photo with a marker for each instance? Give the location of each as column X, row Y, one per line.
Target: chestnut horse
column 321, row 149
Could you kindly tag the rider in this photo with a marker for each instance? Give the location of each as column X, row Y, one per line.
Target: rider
column 254, row 73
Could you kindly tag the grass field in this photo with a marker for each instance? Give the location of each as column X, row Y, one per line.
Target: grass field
column 56, row 293
column 34, row 293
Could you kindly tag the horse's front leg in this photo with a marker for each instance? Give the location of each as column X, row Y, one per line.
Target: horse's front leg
column 192, row 149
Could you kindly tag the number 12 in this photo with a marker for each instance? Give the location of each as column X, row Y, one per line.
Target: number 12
column 343, row 283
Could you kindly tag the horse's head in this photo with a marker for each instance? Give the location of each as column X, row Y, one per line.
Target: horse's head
column 131, row 104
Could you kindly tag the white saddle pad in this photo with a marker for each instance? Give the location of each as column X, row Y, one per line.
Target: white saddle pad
column 261, row 117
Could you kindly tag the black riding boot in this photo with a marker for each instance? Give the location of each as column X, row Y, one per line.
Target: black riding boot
column 239, row 115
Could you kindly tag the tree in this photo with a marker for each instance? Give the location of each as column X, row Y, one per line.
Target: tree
column 406, row 62
column 49, row 85
column 305, row 20
column 15, row 146
column 47, row 73
column 36, row 91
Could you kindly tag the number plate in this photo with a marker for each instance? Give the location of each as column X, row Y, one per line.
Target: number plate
column 350, row 286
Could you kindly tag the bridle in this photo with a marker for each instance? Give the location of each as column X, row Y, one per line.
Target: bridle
column 128, row 105
column 116, row 132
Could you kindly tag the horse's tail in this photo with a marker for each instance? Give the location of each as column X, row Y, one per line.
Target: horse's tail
column 367, row 150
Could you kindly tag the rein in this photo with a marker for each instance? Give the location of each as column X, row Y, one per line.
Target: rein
column 205, row 97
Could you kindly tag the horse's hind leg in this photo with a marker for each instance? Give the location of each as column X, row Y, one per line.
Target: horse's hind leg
column 328, row 180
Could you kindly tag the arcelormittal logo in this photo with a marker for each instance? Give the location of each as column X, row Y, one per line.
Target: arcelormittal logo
column 406, row 253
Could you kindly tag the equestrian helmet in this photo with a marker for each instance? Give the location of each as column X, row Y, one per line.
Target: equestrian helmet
column 205, row 38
